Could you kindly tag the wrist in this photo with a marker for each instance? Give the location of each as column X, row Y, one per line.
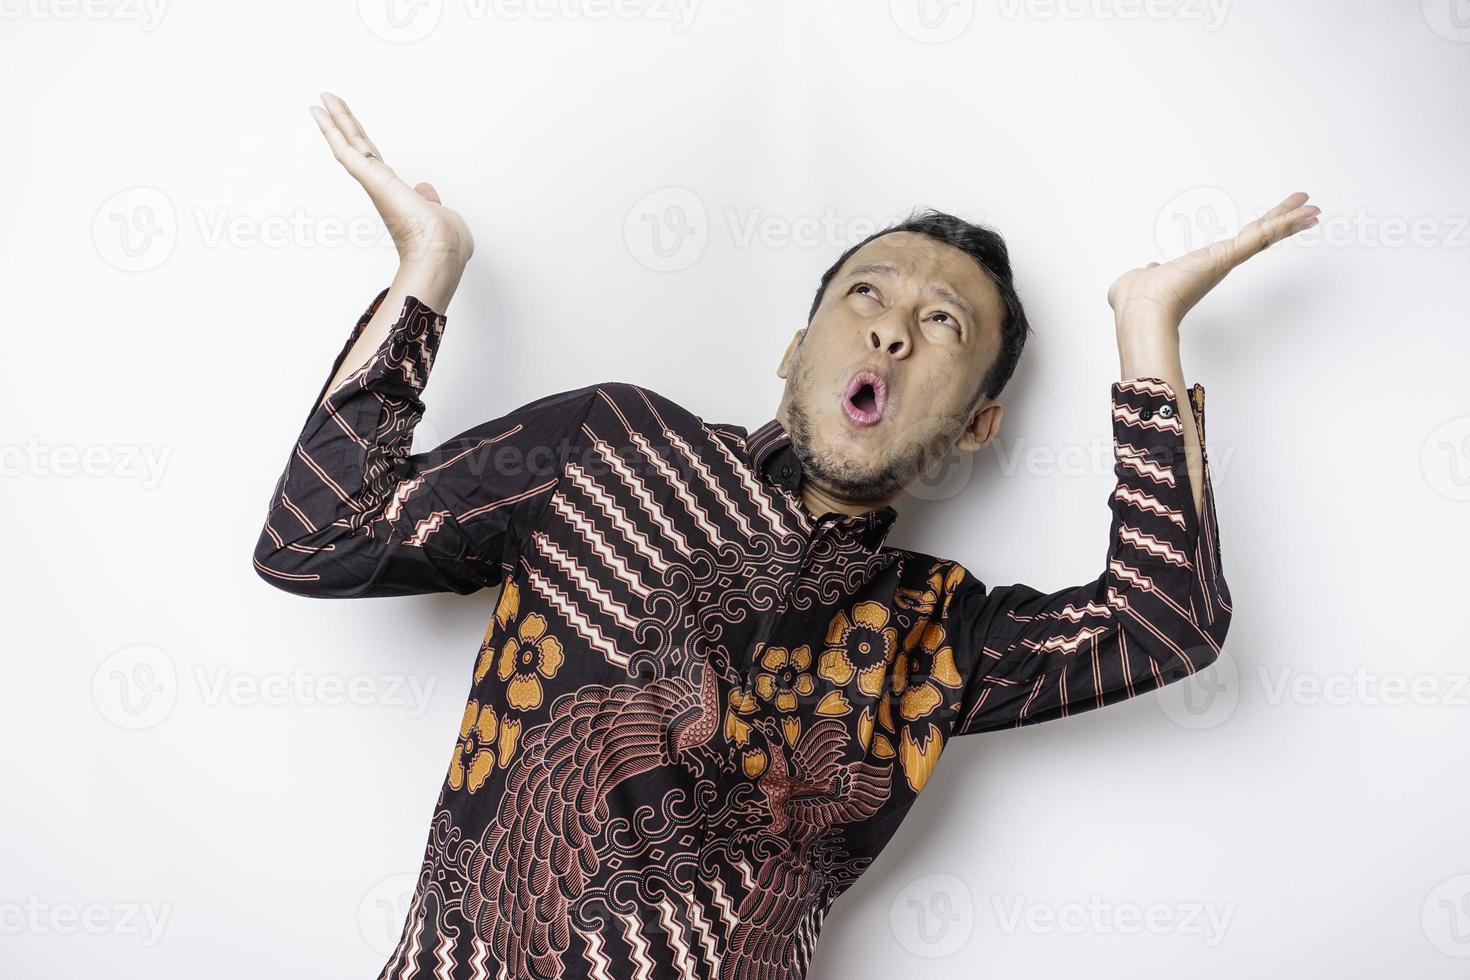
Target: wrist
column 1146, row 324
column 432, row 280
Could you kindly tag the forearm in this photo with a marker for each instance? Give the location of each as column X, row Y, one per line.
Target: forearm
column 340, row 509
column 432, row 283
column 1149, row 348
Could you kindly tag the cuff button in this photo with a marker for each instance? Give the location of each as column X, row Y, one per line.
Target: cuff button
column 1145, row 413
column 1166, row 411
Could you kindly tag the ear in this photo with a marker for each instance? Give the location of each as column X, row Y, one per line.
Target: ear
column 784, row 368
column 984, row 424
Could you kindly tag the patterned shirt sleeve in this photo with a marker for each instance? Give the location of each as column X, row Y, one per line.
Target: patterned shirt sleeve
column 1157, row 614
column 356, row 513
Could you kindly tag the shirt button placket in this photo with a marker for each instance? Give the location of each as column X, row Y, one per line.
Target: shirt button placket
column 773, row 615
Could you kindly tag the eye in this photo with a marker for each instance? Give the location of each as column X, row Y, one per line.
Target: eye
column 863, row 285
column 951, row 320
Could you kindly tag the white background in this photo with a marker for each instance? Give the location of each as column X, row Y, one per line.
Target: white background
column 176, row 286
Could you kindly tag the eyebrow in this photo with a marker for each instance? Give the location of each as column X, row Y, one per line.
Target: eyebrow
column 938, row 290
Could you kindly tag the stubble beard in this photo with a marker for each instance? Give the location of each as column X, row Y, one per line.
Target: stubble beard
column 842, row 476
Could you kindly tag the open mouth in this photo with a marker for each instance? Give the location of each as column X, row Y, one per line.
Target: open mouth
column 865, row 397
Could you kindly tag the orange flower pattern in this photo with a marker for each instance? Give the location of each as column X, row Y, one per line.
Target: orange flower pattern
column 689, row 677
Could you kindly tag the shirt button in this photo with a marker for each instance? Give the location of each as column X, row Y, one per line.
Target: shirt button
column 1166, row 411
column 1145, row 413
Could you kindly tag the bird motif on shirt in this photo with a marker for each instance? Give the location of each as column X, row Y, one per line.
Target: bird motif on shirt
column 538, row 854
column 806, row 798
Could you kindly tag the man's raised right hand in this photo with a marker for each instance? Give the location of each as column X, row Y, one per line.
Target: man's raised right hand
column 424, row 231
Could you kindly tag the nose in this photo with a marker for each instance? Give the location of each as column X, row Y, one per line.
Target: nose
column 890, row 336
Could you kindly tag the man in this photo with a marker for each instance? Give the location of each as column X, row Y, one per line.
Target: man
column 709, row 692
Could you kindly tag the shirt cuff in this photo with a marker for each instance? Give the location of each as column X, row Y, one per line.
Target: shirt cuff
column 1154, row 498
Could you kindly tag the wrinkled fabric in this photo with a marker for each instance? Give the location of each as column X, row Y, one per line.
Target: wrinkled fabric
column 698, row 711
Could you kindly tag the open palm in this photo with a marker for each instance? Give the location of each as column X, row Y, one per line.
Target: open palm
column 1170, row 289
column 423, row 229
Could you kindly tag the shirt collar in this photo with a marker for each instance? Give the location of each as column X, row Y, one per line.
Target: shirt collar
column 769, row 446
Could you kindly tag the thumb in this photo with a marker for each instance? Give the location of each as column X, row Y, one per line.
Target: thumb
column 426, row 190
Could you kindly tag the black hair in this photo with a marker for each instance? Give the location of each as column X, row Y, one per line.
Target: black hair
column 988, row 249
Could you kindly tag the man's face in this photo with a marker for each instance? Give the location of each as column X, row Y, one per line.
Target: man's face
column 886, row 378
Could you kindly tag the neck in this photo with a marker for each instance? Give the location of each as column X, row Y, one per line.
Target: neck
column 816, row 500
column 819, row 502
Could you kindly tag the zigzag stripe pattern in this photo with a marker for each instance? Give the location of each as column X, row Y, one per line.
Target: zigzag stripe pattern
column 637, row 946
column 1150, row 503
column 426, row 527
column 1146, row 386
column 600, row 546
column 1130, row 417
column 709, row 949
column 1144, row 466
column 681, row 489
column 617, row 801
column 558, row 600
column 444, row 957
column 618, row 517
column 759, row 497
column 479, row 953
column 596, row 957
column 683, row 959
column 644, row 497
column 1151, row 545
column 585, row 583
column 409, row 952
column 1065, row 643
column 724, row 904
column 707, row 478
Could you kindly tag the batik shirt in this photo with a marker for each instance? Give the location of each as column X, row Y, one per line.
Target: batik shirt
column 699, row 711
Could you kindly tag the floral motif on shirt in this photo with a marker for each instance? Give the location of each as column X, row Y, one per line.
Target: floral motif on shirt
column 935, row 592
column 530, row 652
column 860, row 645
column 920, row 672
column 924, row 666
column 482, row 736
column 785, row 680
column 525, row 657
column 505, row 614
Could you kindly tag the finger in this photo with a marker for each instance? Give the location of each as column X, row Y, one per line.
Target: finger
column 346, row 154
column 1266, row 231
column 426, row 190
column 1290, row 203
column 354, row 131
column 351, row 131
